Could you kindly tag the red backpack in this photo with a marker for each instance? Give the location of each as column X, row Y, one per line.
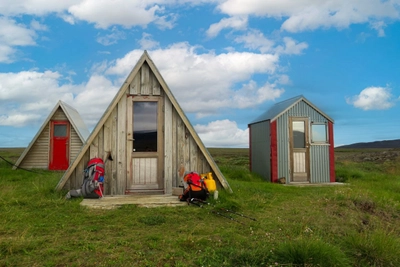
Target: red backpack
column 196, row 187
column 94, row 177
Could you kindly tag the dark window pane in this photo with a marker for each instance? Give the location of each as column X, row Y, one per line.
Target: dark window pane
column 60, row 130
column 299, row 136
column 145, row 126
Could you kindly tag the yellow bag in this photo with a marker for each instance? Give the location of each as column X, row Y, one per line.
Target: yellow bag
column 209, row 181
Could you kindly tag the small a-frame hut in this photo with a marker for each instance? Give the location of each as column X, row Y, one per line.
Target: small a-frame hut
column 293, row 142
column 149, row 138
column 57, row 142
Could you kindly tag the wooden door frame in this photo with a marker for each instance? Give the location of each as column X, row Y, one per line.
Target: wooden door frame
column 160, row 137
column 51, row 143
column 307, row 146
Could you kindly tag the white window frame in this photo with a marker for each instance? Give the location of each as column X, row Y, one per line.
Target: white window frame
column 319, row 142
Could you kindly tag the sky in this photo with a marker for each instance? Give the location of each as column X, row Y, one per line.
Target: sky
column 225, row 61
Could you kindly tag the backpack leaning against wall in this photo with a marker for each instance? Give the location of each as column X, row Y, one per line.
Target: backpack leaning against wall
column 93, row 178
column 196, row 188
column 92, row 186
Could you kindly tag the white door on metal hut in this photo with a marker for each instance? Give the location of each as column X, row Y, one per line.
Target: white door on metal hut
column 299, row 149
column 147, row 145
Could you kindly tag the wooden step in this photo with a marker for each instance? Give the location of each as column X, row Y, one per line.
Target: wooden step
column 140, row 200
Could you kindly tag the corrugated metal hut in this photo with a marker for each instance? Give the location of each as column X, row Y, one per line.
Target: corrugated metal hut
column 57, row 142
column 149, row 138
column 293, row 143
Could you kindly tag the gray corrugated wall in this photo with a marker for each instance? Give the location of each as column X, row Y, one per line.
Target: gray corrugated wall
column 260, row 149
column 319, row 164
column 319, row 154
column 282, row 135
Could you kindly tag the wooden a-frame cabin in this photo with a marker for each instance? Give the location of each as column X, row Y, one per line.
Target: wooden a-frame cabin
column 58, row 141
column 148, row 137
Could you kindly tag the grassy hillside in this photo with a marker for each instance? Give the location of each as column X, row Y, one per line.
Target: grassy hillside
column 355, row 224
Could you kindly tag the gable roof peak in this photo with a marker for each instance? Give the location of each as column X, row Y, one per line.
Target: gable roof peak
column 279, row 108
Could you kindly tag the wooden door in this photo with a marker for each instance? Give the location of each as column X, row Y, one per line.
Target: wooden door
column 59, row 145
column 146, row 146
column 299, row 150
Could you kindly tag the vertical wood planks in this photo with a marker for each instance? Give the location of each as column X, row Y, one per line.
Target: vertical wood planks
column 114, row 121
column 121, row 146
column 168, row 146
column 156, row 88
column 94, row 147
column 193, row 155
column 129, row 138
column 134, row 87
column 174, row 161
column 107, row 148
column 145, row 80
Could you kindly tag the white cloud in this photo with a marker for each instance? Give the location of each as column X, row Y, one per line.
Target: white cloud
column 237, row 23
column 292, row 47
column 14, row 34
column 297, row 15
column 166, row 22
column 67, row 18
column 255, row 40
column 373, row 98
column 19, row 108
column 112, row 38
column 94, row 98
column 250, row 95
column 283, row 79
column 313, row 14
column 14, row 86
column 204, row 83
column 29, row 95
column 222, row 133
column 6, row 53
column 147, row 42
column 34, row 7
column 37, row 26
column 104, row 13
column 16, row 119
column 379, row 27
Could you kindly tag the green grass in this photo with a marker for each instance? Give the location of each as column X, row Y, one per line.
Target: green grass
column 356, row 224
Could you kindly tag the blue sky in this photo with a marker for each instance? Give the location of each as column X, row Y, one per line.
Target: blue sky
column 225, row 61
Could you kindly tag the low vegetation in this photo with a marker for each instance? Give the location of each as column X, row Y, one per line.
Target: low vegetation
column 353, row 224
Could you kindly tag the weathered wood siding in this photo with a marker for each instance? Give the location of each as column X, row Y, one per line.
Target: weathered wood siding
column 75, row 144
column 180, row 147
column 59, row 115
column 184, row 150
column 38, row 156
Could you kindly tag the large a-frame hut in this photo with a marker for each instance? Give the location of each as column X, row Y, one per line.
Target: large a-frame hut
column 292, row 142
column 149, row 138
column 58, row 141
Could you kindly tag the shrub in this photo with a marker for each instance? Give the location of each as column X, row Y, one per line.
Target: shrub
column 240, row 174
column 376, row 248
column 344, row 173
column 305, row 252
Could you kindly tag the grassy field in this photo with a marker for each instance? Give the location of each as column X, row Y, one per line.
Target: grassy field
column 355, row 224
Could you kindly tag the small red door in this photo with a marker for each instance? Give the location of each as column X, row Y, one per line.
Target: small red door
column 59, row 145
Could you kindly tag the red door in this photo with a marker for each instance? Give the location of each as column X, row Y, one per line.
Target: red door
column 59, row 145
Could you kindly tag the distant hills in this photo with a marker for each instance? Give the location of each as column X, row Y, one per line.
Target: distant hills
column 376, row 144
